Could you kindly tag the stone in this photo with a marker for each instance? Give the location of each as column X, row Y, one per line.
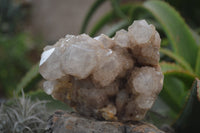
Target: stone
column 63, row 122
column 113, row 79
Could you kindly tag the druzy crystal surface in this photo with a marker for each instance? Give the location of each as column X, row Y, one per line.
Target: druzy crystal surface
column 114, row 79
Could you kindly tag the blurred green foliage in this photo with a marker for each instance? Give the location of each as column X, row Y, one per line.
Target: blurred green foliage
column 18, row 52
column 189, row 10
column 13, row 14
column 17, row 48
column 13, row 60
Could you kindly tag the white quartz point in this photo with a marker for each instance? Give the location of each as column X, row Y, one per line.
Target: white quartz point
column 121, row 38
column 146, row 80
column 106, row 41
column 145, row 102
column 50, row 64
column 49, row 86
column 79, row 61
column 46, row 55
column 140, row 32
column 108, row 69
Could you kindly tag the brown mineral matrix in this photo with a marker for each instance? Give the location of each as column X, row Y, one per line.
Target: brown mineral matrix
column 63, row 122
column 115, row 79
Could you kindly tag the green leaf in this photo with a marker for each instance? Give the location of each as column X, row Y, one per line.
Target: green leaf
column 196, row 36
column 176, row 30
column 110, row 17
column 177, row 58
column 185, row 76
column 92, row 10
column 188, row 120
column 173, row 92
column 160, row 113
column 175, row 88
column 52, row 104
column 164, row 42
column 166, row 66
column 101, row 23
column 31, row 77
column 116, row 27
column 197, row 69
column 117, row 10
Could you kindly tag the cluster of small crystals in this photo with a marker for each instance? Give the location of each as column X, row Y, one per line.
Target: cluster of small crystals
column 106, row 78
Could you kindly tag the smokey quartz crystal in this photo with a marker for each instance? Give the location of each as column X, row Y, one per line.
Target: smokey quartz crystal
column 115, row 79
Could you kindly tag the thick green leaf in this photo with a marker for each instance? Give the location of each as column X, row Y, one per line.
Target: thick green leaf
column 176, row 30
column 117, row 10
column 107, row 18
column 177, row 58
column 185, row 76
column 175, row 88
column 166, row 66
column 188, row 121
column 116, row 27
column 101, row 23
column 92, row 10
column 31, row 77
column 164, row 42
column 196, row 36
column 173, row 92
column 197, row 69
column 160, row 113
column 52, row 104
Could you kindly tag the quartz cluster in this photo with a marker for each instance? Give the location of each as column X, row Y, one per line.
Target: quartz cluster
column 114, row 79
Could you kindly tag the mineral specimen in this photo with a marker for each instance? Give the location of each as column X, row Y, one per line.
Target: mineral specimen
column 114, row 79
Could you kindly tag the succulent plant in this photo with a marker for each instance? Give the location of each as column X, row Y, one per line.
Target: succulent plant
column 22, row 115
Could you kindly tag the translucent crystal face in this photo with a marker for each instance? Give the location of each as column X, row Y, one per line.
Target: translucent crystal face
column 46, row 55
column 145, row 101
column 121, row 38
column 49, row 86
column 141, row 80
column 112, row 79
column 49, row 65
column 108, row 69
column 78, row 61
column 106, row 41
column 141, row 32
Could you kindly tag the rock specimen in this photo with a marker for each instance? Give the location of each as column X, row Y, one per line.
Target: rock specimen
column 114, row 79
column 62, row 122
